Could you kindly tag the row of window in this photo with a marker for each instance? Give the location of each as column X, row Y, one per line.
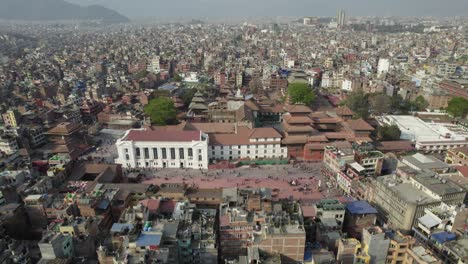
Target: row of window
column 164, row 152
column 248, row 152
column 245, row 146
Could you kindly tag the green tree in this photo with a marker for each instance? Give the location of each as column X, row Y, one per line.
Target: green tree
column 388, row 133
column 359, row 102
column 187, row 95
column 141, row 74
column 177, row 78
column 420, row 103
column 458, row 107
column 300, row 93
column 161, row 111
column 381, row 104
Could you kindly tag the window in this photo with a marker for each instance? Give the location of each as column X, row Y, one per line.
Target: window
column 181, row 153
column 127, row 157
column 190, row 152
column 200, row 158
column 172, row 153
column 164, row 154
column 146, row 152
column 126, row 150
column 155, row 153
column 137, row 152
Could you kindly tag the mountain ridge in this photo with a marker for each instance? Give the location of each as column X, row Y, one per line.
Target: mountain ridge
column 50, row 10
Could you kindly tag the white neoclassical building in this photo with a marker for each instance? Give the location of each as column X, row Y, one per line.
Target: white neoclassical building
column 140, row 148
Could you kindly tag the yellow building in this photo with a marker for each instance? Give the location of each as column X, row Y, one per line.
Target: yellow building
column 351, row 251
column 10, row 118
column 399, row 246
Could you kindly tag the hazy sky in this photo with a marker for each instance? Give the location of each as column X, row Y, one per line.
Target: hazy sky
column 249, row 8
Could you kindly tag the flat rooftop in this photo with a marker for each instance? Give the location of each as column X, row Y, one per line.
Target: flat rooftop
column 413, row 128
column 405, row 190
column 437, row 184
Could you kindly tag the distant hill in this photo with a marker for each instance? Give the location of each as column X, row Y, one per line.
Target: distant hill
column 56, row 10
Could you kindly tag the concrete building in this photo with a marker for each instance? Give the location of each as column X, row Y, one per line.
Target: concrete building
column 438, row 188
column 420, row 162
column 154, row 65
column 456, row 251
column 399, row 246
column 399, row 203
column 383, row 66
column 56, row 246
column 162, row 149
column 8, row 144
column 347, row 85
column 331, row 209
column 350, row 251
column 10, row 118
column 341, row 18
column 428, row 137
column 247, row 143
column 457, row 156
column 377, row 244
column 359, row 215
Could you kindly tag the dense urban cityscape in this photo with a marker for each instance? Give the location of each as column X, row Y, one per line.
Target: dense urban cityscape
column 310, row 140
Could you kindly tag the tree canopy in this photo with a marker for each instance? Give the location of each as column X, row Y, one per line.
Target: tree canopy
column 388, row 133
column 363, row 104
column 458, row 107
column 359, row 103
column 300, row 93
column 162, row 111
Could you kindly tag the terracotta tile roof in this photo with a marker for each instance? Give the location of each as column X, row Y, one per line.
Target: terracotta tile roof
column 401, row 145
column 292, row 128
column 309, row 211
column 64, row 128
column 315, row 146
column 339, row 135
column 151, row 204
column 362, row 139
column 157, row 135
column 344, row 111
column 359, row 125
column 252, row 105
column 463, row 170
column 297, row 119
column 317, row 138
column 326, row 120
column 297, row 109
column 212, row 128
column 167, row 206
column 264, row 132
column 294, row 140
column 277, row 108
column 243, row 135
column 463, row 150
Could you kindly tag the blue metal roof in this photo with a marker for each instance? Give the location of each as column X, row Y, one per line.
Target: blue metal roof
column 308, row 255
column 103, row 204
column 120, row 228
column 145, row 240
column 168, row 87
column 443, row 237
column 360, row 207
